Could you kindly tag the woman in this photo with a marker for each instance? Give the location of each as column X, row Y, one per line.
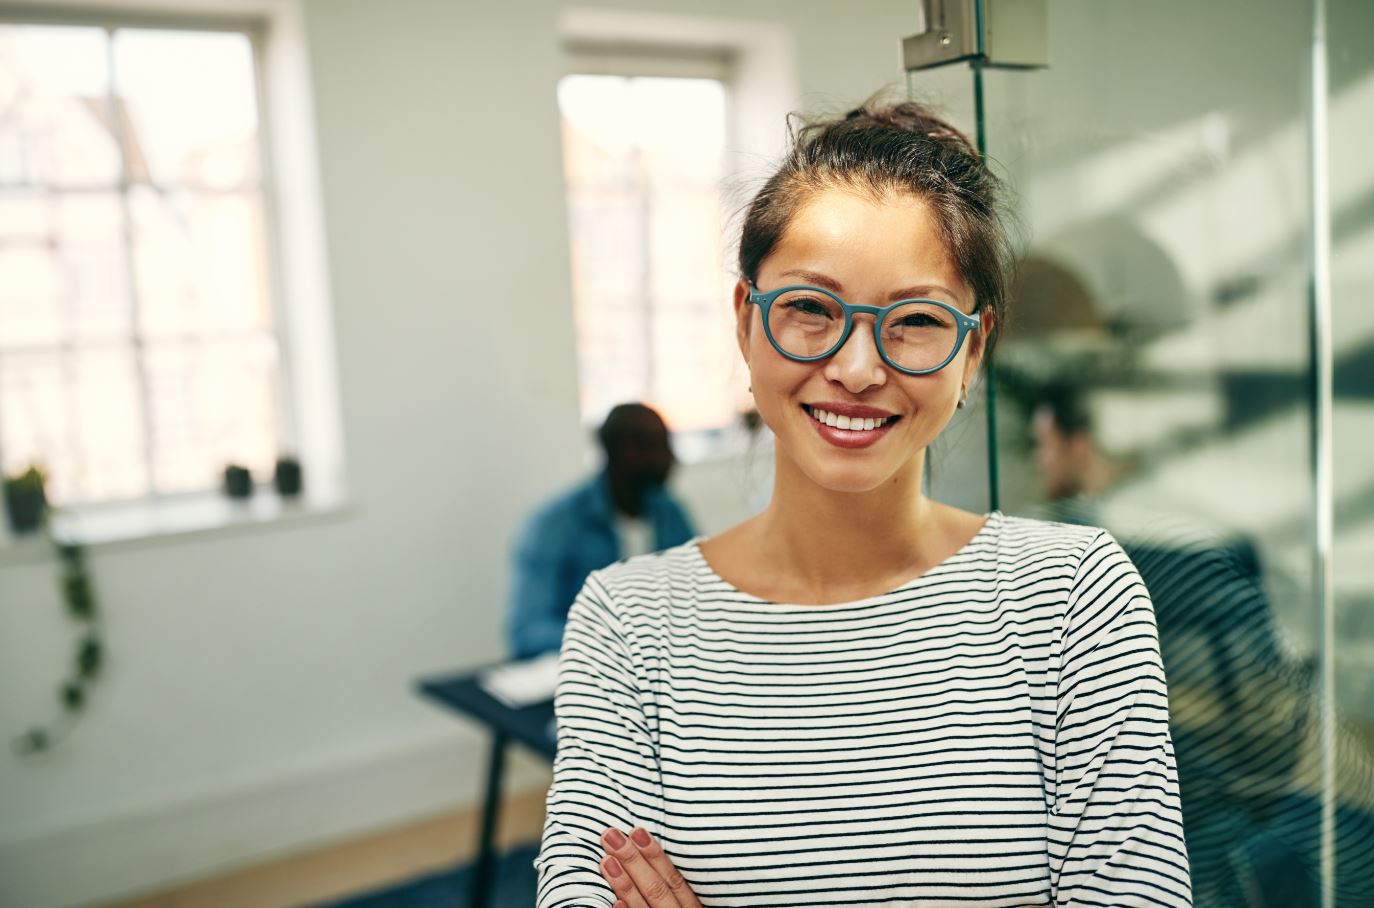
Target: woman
column 861, row 696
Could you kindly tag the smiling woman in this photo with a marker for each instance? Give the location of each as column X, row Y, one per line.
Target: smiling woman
column 861, row 696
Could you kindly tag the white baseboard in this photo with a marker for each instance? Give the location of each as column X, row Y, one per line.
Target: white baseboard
column 147, row 852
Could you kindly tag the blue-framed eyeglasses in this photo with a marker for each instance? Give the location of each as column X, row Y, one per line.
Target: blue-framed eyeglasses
column 916, row 337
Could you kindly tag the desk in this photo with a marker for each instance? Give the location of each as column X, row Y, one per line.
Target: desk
column 527, row 725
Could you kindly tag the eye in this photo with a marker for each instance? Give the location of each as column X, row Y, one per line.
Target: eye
column 919, row 320
column 807, row 305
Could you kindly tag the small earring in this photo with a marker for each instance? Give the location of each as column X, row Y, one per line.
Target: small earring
column 963, row 396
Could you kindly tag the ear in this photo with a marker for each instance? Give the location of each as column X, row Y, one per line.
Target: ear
column 744, row 317
column 977, row 345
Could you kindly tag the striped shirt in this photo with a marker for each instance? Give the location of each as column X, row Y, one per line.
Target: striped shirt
column 992, row 733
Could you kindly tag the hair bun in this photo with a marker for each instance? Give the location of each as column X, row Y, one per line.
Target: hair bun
column 911, row 116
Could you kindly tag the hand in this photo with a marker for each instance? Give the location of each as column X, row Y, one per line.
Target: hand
column 641, row 874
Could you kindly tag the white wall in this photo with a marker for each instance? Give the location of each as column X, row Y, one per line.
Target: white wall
column 258, row 692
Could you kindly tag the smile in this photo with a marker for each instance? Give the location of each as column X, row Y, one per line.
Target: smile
column 849, row 431
column 858, row 424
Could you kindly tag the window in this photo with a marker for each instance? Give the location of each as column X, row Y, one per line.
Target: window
column 645, row 162
column 139, row 347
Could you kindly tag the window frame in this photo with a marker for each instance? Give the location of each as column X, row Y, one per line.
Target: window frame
column 631, row 59
column 267, row 25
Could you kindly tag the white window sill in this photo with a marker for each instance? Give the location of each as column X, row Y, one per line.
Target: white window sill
column 173, row 516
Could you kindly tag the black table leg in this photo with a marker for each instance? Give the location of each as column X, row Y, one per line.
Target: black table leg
column 485, row 866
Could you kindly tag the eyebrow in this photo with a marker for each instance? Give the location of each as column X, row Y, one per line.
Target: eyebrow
column 906, row 293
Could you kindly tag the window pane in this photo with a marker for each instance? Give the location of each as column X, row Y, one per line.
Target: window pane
column 191, row 107
column 107, row 426
column 212, row 404
column 62, row 269
column 199, row 258
column 184, row 248
column 79, row 416
column 55, row 123
column 644, row 159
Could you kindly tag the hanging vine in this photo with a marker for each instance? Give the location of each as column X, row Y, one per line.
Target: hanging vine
column 88, row 652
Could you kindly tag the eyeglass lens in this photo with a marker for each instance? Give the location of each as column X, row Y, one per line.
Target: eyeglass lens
column 914, row 336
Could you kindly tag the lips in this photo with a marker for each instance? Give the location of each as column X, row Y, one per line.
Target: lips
column 859, row 428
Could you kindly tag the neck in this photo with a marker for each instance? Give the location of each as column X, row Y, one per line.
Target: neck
column 830, row 540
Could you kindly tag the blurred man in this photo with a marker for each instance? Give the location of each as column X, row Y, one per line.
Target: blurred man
column 1066, row 455
column 622, row 511
column 1244, row 712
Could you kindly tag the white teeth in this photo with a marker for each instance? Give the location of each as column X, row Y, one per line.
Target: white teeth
column 852, row 423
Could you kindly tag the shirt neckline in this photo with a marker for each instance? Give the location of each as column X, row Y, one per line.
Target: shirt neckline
column 990, row 526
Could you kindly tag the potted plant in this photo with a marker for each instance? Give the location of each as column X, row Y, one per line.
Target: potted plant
column 26, row 503
column 238, row 481
column 288, row 477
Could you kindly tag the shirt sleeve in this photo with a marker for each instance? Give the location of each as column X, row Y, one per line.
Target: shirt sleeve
column 606, row 770
column 1116, row 827
column 534, row 620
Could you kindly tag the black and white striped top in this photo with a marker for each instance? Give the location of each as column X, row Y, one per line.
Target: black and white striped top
column 993, row 733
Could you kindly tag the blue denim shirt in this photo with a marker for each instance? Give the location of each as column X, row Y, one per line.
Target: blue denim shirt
column 562, row 543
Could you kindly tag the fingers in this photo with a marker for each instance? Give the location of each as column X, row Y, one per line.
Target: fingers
column 626, row 895
column 642, row 875
column 653, row 852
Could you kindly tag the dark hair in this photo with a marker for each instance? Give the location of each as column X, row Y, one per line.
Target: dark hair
column 1064, row 399
column 885, row 148
column 626, row 420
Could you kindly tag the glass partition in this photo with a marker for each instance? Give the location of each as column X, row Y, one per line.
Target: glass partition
column 1349, row 138
column 1159, row 378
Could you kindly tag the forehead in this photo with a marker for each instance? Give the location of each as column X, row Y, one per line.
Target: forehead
column 872, row 241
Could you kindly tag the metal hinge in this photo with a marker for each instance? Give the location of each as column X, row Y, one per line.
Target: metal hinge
column 1002, row 33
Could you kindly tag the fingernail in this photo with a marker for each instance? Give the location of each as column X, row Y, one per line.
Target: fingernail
column 614, row 838
column 612, row 866
column 641, row 838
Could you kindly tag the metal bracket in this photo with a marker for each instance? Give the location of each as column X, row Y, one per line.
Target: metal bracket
column 1001, row 33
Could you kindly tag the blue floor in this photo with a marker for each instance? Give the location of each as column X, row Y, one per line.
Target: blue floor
column 515, row 887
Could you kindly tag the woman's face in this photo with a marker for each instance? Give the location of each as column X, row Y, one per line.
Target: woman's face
column 868, row 252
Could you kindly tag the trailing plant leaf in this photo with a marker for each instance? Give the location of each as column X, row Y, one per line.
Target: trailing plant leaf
column 73, row 696
column 89, row 657
column 78, row 596
column 33, row 741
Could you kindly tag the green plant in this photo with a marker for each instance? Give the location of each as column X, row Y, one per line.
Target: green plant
column 26, row 503
column 31, row 479
column 88, row 655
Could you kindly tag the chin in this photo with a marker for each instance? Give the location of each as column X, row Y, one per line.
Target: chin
column 855, row 477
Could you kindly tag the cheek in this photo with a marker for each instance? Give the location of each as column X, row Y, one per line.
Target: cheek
column 777, row 383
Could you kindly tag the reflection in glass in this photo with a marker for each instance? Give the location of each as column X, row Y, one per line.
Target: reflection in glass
column 1158, row 378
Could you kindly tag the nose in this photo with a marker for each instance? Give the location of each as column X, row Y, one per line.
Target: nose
column 858, row 365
